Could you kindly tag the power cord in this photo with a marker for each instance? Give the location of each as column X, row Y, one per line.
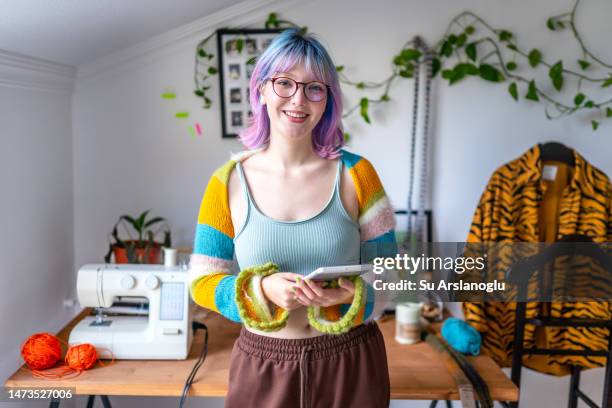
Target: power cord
column 195, row 326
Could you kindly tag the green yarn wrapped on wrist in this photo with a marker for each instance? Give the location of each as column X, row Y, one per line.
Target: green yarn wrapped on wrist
column 252, row 305
column 346, row 322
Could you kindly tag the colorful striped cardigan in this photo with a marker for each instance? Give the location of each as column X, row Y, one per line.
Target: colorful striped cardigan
column 212, row 282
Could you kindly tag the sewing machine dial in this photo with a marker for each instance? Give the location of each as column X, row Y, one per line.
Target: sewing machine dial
column 127, row 282
column 152, row 282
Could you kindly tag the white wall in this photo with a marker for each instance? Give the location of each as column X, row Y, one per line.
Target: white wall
column 130, row 153
column 36, row 244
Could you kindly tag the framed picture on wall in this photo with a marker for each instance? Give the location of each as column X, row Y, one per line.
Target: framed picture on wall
column 238, row 50
column 421, row 225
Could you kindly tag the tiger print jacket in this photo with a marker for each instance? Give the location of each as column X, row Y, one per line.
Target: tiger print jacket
column 508, row 212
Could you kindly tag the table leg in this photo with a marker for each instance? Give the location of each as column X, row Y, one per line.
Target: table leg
column 105, row 401
column 54, row 403
column 90, row 401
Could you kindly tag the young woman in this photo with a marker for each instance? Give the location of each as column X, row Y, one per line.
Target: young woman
column 296, row 199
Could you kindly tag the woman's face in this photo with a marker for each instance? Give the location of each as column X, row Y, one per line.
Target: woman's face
column 294, row 116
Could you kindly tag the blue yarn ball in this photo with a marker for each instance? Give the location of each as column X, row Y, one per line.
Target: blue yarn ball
column 461, row 336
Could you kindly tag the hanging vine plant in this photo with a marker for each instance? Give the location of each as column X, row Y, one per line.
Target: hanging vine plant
column 471, row 47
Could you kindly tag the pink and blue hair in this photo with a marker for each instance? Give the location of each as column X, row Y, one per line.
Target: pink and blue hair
column 289, row 48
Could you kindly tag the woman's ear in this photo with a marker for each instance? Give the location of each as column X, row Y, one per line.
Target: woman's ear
column 262, row 100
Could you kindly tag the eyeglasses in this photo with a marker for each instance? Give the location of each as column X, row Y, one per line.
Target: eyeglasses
column 314, row 91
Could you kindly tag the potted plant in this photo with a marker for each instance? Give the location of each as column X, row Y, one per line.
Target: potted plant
column 141, row 245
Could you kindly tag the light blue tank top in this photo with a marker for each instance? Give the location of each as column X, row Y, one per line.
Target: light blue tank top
column 330, row 238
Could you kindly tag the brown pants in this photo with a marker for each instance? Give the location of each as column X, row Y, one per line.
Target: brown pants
column 349, row 370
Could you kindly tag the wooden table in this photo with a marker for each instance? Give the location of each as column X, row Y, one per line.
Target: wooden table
column 416, row 371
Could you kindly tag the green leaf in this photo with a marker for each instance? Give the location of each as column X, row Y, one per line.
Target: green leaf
column 469, row 30
column 339, row 68
column 490, row 73
column 142, row 218
column 347, row 137
column 511, row 47
column 410, row 54
column 210, row 56
column 154, row 221
column 363, row 104
column 461, row 40
column 589, row 104
column 608, row 112
column 584, row 64
column 594, row 124
column 550, row 23
column 406, row 73
column 447, row 49
column 272, row 20
column 505, row 35
column 513, row 89
column 182, row 115
column 579, row 98
column 447, row 73
column 535, row 57
column 202, row 53
column 198, row 93
column 251, row 61
column 469, row 69
column 435, row 67
column 470, row 51
column 360, row 85
column 511, row 66
column 556, row 75
column 212, row 70
column 607, row 83
column 459, row 72
column 385, row 98
column 532, row 92
column 452, row 38
column 168, row 95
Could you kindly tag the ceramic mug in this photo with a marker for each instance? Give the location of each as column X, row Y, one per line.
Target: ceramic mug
column 408, row 322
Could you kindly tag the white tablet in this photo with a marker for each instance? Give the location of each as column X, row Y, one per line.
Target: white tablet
column 327, row 273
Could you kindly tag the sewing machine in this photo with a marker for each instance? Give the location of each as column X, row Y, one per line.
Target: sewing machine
column 143, row 311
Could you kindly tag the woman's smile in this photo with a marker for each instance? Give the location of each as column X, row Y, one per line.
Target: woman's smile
column 295, row 116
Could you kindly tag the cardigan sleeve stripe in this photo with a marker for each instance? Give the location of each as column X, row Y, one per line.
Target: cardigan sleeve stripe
column 213, row 243
column 368, row 186
column 381, row 223
column 214, row 209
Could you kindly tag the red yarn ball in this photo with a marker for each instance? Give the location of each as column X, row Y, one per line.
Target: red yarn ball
column 81, row 357
column 41, row 351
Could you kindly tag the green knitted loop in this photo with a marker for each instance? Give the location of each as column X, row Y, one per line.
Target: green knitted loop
column 263, row 320
column 346, row 322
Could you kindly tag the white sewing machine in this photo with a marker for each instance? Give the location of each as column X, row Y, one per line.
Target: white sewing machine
column 160, row 330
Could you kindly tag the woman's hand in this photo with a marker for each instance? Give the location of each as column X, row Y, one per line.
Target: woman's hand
column 279, row 288
column 309, row 293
